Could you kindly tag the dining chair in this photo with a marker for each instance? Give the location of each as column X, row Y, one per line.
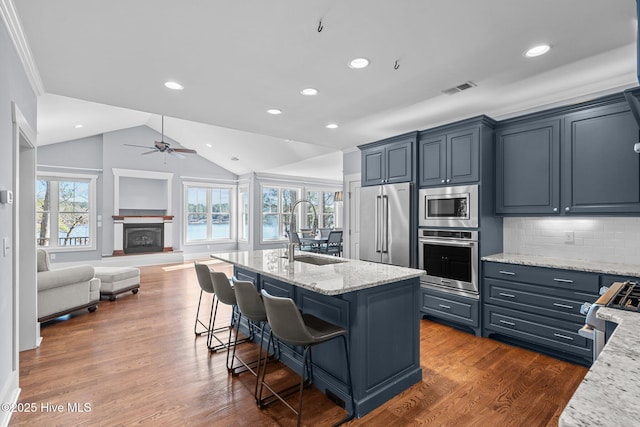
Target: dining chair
column 334, row 244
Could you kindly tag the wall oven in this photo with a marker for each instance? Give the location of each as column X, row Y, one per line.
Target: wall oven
column 449, row 206
column 450, row 259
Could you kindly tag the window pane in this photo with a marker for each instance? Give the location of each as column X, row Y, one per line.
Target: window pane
column 289, row 198
column 73, row 196
column 270, row 227
column 196, row 226
column 73, row 229
column 196, row 200
column 42, row 228
column 269, row 200
column 327, row 206
column 43, row 216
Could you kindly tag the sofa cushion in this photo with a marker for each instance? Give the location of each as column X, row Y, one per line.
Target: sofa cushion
column 43, row 261
column 65, row 276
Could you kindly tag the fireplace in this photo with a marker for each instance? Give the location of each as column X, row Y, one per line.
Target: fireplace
column 141, row 238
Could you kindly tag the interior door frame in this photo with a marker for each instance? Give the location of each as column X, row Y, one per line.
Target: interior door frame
column 348, row 226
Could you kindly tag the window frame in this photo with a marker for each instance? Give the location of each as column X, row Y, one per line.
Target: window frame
column 93, row 208
column 232, row 213
column 240, row 211
column 298, row 190
column 320, row 207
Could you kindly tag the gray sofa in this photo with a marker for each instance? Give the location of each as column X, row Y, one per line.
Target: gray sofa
column 64, row 290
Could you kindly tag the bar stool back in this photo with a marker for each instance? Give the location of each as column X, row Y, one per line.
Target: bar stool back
column 293, row 328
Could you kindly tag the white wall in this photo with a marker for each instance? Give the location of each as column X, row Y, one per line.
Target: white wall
column 14, row 87
column 604, row 239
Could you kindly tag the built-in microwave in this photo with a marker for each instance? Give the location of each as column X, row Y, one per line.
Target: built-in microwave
column 448, row 206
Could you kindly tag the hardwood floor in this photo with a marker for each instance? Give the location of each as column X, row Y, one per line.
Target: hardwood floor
column 136, row 361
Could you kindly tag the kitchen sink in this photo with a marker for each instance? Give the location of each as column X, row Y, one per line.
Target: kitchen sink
column 315, row 260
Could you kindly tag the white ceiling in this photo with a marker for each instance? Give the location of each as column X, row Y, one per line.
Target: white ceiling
column 238, row 59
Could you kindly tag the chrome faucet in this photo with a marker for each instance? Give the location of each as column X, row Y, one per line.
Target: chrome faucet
column 292, row 224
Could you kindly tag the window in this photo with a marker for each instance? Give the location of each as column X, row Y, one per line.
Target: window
column 65, row 211
column 276, row 211
column 243, row 213
column 323, row 202
column 208, row 213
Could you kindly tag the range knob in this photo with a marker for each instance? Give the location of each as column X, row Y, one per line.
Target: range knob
column 584, row 309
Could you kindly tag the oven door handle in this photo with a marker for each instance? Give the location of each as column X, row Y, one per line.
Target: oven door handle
column 466, row 243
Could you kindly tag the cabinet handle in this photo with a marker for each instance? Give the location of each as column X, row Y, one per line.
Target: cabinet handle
column 502, row 294
column 445, row 281
column 507, row 323
column 562, row 280
column 555, row 209
column 442, row 181
column 508, row 273
column 563, row 337
column 567, row 209
column 557, row 304
column 444, row 306
column 448, row 180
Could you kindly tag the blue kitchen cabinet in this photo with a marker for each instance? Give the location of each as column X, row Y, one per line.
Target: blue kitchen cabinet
column 451, row 154
column 601, row 172
column 388, row 161
column 528, row 168
column 573, row 160
column 459, row 310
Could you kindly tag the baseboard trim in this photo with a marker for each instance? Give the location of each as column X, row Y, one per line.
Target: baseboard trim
column 10, row 394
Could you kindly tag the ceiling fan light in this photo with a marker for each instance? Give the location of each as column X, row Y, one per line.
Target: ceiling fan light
column 173, row 85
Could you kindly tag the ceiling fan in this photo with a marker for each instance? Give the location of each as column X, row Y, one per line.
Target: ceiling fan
column 164, row 147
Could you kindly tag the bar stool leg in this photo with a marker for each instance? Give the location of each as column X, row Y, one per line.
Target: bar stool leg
column 353, row 403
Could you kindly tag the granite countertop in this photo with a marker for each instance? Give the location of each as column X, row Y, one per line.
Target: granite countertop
column 608, row 395
column 632, row 270
column 331, row 279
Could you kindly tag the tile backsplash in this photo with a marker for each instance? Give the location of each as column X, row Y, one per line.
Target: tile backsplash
column 603, row 239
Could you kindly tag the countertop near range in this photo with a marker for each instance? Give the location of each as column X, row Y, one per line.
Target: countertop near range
column 608, row 395
column 632, row 270
column 331, row 279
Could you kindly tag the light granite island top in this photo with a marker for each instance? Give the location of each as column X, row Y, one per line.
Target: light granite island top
column 608, row 394
column 348, row 275
column 378, row 305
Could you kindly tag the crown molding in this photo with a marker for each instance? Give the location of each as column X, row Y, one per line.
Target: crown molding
column 14, row 28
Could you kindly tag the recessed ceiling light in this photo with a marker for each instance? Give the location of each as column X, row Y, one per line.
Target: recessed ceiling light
column 537, row 51
column 78, row 126
column 235, row 159
column 209, row 145
column 309, row 91
column 359, row 63
column 274, row 111
column 173, row 85
column 332, row 126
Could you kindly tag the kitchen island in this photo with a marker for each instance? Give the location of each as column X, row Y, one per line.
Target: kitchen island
column 378, row 304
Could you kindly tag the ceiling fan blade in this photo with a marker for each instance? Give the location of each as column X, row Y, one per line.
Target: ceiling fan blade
column 141, row 146
column 149, row 152
column 184, row 150
column 173, row 153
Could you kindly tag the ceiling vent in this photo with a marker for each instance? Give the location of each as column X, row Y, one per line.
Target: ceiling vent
column 459, row 88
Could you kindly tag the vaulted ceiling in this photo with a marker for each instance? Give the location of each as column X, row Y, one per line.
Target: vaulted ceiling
column 236, row 59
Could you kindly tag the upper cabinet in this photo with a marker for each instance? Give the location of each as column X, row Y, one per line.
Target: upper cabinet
column 600, row 170
column 450, row 155
column 528, row 168
column 577, row 160
column 388, row 161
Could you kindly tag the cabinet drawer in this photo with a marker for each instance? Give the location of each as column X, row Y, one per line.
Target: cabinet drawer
column 455, row 308
column 539, row 330
column 562, row 279
column 537, row 299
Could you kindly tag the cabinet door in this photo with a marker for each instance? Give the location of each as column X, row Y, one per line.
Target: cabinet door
column 433, row 154
column 462, row 156
column 373, row 164
column 528, row 168
column 398, row 162
column 601, row 172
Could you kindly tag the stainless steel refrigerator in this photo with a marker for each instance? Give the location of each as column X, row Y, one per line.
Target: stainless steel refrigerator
column 385, row 215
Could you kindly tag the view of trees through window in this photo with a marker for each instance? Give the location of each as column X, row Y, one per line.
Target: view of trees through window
column 323, row 202
column 63, row 213
column 208, row 213
column 276, row 211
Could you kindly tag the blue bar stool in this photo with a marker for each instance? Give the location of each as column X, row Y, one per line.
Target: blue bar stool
column 293, row 328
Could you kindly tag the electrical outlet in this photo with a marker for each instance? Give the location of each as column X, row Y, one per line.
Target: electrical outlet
column 569, row 236
column 52, row 256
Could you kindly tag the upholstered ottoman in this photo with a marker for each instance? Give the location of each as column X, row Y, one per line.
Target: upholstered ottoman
column 116, row 280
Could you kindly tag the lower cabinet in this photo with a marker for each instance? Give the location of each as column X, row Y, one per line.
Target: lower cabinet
column 539, row 308
column 452, row 308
